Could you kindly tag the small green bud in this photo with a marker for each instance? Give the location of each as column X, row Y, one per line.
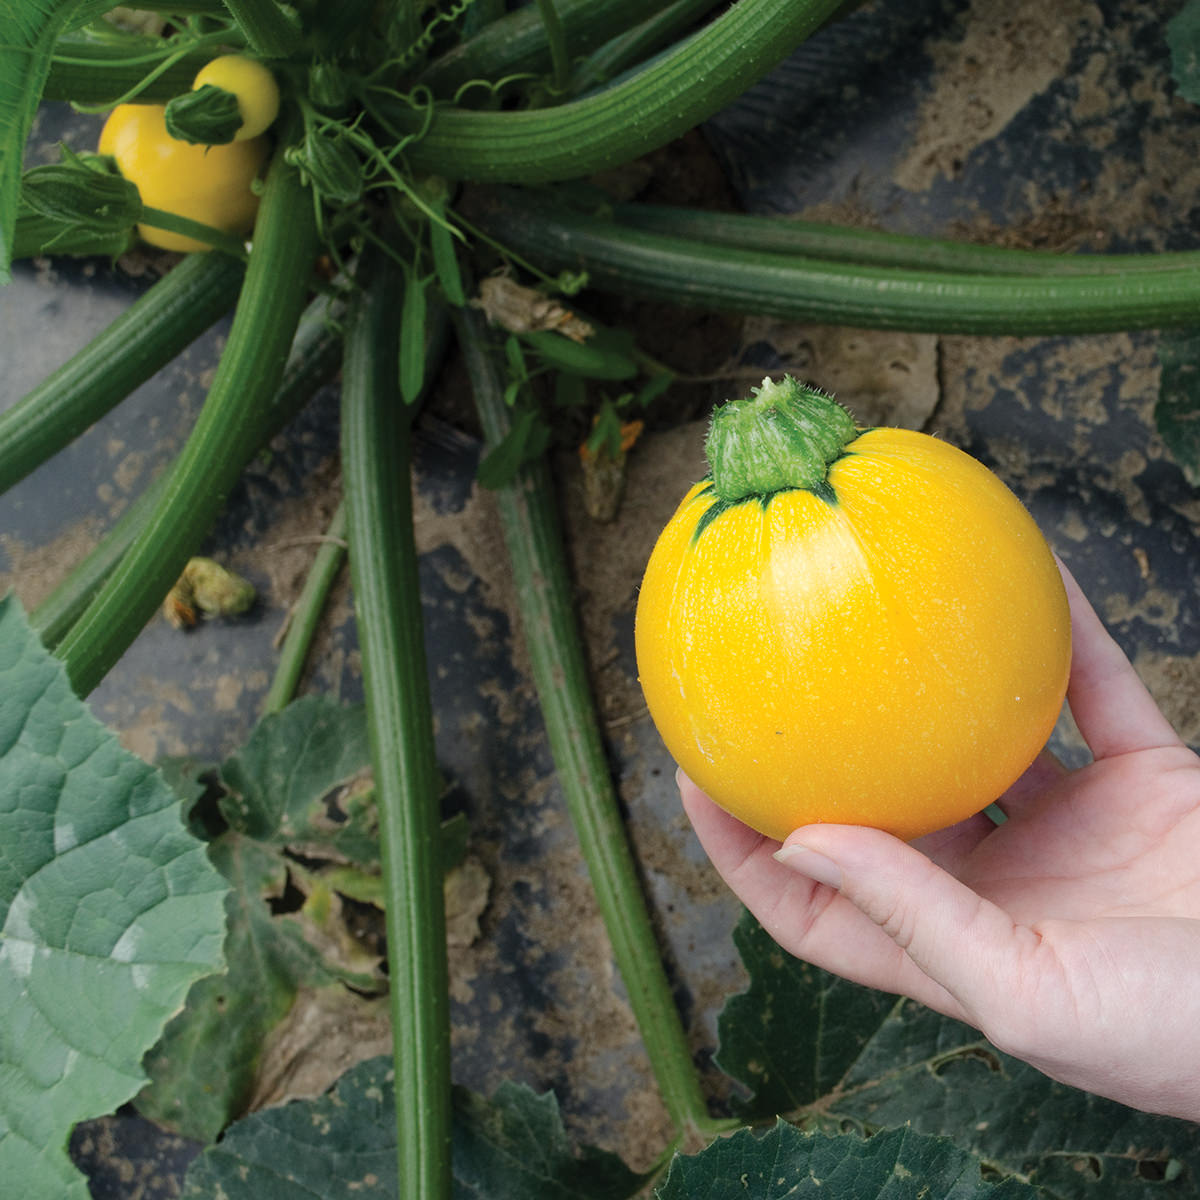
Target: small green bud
column 328, row 88
column 329, row 161
column 80, row 192
column 208, row 116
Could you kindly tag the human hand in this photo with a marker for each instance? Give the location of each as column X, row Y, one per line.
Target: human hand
column 1069, row 935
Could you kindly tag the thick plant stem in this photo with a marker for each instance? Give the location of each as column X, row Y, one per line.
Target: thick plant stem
column 306, row 614
column 88, row 71
column 269, row 30
column 873, row 247
column 405, row 17
column 516, row 43
column 227, row 432
column 144, row 338
column 327, row 562
column 383, row 566
column 637, row 43
column 527, row 511
column 658, row 266
column 557, row 42
column 315, row 355
column 674, row 93
column 58, row 612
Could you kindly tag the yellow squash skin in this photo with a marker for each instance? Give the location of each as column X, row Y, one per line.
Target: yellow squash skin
column 893, row 655
column 254, row 86
column 211, row 184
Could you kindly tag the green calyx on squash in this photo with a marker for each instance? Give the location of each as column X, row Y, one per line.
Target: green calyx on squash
column 783, row 435
column 208, row 116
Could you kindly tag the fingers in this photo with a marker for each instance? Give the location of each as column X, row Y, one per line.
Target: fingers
column 1029, row 792
column 811, row 921
column 954, row 946
column 1114, row 711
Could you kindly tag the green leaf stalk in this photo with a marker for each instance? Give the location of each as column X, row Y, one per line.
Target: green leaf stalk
column 225, row 436
column 383, row 565
column 527, row 512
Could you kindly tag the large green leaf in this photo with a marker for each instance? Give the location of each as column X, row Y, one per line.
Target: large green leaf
column 514, row 1147
column 301, row 805
column 28, row 29
column 823, row 1051
column 203, row 1070
column 303, row 780
column 796, row 1031
column 941, row 1077
column 109, row 911
column 785, row 1163
column 343, row 1147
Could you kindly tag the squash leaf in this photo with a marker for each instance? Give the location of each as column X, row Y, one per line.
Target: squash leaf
column 824, row 1052
column 342, row 1147
column 204, row 1069
column 302, row 779
column 109, row 911
column 28, row 31
column 514, row 1147
column 792, row 1036
column 896, row 1164
column 524, row 443
column 302, row 834
column 301, row 782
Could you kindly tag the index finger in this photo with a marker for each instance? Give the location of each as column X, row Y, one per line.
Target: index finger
column 1112, row 707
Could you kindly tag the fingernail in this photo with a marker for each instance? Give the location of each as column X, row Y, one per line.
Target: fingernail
column 808, row 862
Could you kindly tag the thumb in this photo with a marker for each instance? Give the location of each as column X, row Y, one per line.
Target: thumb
column 950, row 937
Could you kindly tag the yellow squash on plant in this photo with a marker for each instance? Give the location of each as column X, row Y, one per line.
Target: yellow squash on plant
column 853, row 626
column 210, row 184
column 251, row 83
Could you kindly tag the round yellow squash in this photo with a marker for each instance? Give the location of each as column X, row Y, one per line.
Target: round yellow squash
column 253, row 85
column 210, row 184
column 885, row 642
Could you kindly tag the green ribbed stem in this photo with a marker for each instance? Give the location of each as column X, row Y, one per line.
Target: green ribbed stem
column 783, row 435
column 661, row 102
column 305, row 615
column 516, row 44
column 144, row 338
column 405, row 18
column 873, row 247
column 57, row 613
column 269, row 30
column 229, row 243
column 528, row 513
column 327, row 562
column 559, row 59
column 376, row 459
column 314, row 358
column 634, row 262
column 226, row 433
column 89, row 71
column 635, row 45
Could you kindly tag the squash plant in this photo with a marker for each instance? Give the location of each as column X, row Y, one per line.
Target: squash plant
column 415, row 147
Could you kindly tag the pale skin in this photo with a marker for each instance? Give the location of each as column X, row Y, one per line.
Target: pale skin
column 1069, row 935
